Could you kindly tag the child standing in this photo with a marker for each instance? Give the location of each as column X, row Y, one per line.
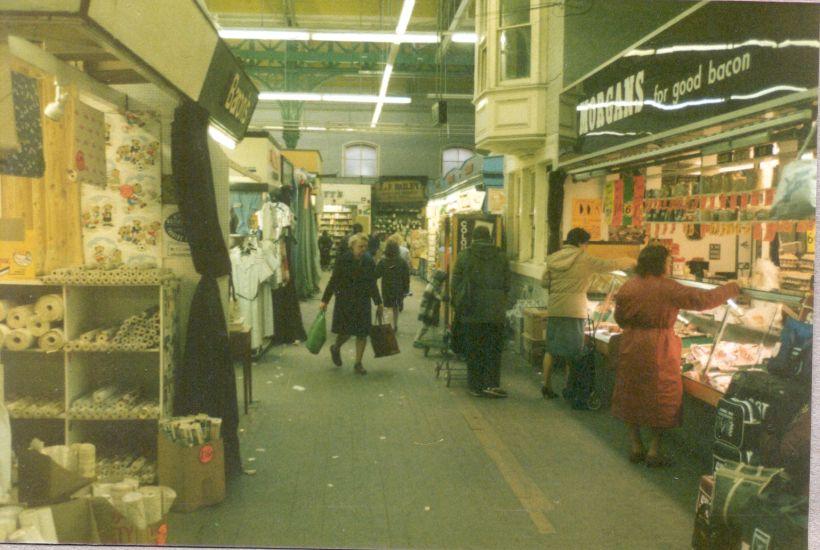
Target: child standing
column 430, row 305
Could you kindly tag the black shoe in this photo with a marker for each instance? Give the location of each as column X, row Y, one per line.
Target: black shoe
column 548, row 393
column 580, row 405
column 497, row 390
column 359, row 369
column 335, row 355
column 494, row 393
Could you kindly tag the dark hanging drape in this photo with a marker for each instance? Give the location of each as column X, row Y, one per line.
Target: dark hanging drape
column 287, row 315
column 555, row 209
column 205, row 381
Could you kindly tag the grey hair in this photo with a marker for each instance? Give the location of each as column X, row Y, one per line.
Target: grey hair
column 356, row 238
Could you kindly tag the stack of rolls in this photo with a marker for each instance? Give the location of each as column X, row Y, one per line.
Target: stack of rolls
column 136, row 333
column 147, row 274
column 34, row 407
column 128, row 468
column 29, row 324
column 113, row 403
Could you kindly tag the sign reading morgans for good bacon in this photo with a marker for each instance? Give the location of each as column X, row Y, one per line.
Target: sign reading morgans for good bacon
column 725, row 56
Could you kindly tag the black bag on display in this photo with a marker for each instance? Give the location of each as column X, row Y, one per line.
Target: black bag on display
column 738, row 422
column 724, row 453
column 778, row 399
column 775, row 521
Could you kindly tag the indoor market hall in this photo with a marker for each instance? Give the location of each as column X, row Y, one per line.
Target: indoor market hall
column 396, row 459
column 416, row 274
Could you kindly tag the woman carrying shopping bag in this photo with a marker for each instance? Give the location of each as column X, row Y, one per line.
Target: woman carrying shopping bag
column 354, row 284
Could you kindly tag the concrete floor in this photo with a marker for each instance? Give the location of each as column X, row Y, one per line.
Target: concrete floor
column 397, row 460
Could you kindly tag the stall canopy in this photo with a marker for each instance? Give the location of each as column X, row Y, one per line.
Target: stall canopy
column 171, row 44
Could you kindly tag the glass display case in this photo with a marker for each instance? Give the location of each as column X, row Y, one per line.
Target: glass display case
column 737, row 335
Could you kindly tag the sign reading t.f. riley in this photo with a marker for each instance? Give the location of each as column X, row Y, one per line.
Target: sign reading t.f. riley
column 723, row 57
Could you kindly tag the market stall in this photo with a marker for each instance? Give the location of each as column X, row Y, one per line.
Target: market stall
column 341, row 206
column 468, row 197
column 398, row 204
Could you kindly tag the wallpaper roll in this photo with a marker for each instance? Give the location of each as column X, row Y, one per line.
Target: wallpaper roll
column 18, row 340
column 5, row 307
column 53, row 340
column 42, row 520
column 37, row 326
column 50, row 307
column 101, row 490
column 18, row 316
column 118, row 491
column 26, row 534
column 89, row 336
column 86, row 459
column 152, row 503
column 168, row 498
column 4, row 331
column 134, row 509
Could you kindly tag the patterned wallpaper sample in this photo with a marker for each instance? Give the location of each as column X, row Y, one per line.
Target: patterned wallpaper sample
column 29, row 162
column 122, row 222
column 88, row 164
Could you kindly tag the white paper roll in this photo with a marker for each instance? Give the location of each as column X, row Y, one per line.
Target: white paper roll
column 86, row 459
column 18, row 316
column 18, row 340
column 4, row 330
column 119, row 490
column 42, row 520
column 5, row 307
column 134, row 509
column 101, row 490
column 89, row 336
column 152, row 502
column 37, row 326
column 168, row 498
column 50, row 307
column 26, row 534
column 53, row 340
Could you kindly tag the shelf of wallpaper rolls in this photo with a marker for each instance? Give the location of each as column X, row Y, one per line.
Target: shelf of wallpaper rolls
column 93, row 363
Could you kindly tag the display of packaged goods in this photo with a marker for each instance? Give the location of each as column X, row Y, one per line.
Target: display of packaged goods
column 34, row 407
column 119, row 276
column 113, row 403
column 125, row 468
column 190, row 431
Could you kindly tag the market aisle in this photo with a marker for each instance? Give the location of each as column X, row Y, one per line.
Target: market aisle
column 396, row 459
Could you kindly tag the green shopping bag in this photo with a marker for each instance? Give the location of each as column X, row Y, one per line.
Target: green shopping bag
column 317, row 334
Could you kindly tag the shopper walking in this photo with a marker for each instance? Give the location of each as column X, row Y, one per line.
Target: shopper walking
column 395, row 276
column 430, row 309
column 648, row 386
column 343, row 243
column 325, row 246
column 567, row 278
column 353, row 283
column 481, row 280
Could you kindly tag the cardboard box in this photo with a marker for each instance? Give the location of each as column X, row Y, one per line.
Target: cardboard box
column 197, row 474
column 535, row 323
column 93, row 520
column 42, row 481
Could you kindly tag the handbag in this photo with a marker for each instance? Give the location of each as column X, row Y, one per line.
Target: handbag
column 383, row 338
column 317, row 334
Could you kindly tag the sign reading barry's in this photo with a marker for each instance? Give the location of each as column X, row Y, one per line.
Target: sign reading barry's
column 722, row 57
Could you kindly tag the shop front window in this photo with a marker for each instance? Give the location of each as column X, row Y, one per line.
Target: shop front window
column 514, row 39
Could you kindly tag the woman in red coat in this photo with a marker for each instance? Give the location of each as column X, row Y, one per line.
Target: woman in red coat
column 648, row 386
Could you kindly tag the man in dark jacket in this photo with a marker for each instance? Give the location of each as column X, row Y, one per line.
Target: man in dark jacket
column 481, row 280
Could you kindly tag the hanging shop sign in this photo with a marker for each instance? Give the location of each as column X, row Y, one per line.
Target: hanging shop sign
column 496, row 200
column 406, row 191
column 347, row 194
column 228, row 93
column 723, row 57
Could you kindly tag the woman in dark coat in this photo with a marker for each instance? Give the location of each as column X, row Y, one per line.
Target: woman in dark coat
column 648, row 386
column 354, row 284
column 395, row 275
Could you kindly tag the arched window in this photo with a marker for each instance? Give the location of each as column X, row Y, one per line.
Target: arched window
column 453, row 157
column 361, row 159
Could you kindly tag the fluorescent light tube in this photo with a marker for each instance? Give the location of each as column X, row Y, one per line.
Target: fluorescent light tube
column 464, row 37
column 376, row 114
column 289, row 96
column 221, row 137
column 263, row 34
column 404, row 17
column 378, row 37
column 388, row 70
column 736, row 168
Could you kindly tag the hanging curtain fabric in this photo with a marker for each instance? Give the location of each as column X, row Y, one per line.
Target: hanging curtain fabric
column 205, row 381
column 307, row 257
column 287, row 315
